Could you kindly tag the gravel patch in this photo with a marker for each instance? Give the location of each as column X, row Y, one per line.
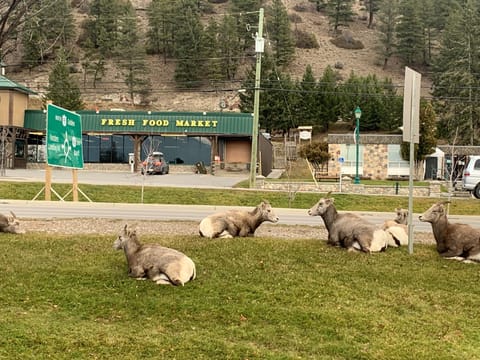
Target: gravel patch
column 109, row 226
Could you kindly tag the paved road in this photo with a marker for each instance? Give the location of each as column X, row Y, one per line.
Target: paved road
column 56, row 209
column 127, row 178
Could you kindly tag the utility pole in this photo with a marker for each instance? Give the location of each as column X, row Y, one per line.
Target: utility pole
column 259, row 46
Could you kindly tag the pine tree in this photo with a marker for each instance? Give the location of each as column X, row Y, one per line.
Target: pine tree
column 245, row 11
column 328, row 99
column 372, row 7
column 387, row 18
column 189, row 51
column 49, row 26
column 340, row 13
column 132, row 56
column 409, row 32
column 162, row 24
column 307, row 110
column 456, row 76
column 280, row 34
column 229, row 47
column 102, row 31
column 427, row 141
column 62, row 88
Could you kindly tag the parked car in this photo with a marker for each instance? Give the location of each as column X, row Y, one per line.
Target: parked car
column 471, row 176
column 155, row 163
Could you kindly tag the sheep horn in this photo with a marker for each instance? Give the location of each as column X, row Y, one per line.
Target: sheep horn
column 13, row 214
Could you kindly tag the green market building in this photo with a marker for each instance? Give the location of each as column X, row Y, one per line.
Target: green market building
column 115, row 139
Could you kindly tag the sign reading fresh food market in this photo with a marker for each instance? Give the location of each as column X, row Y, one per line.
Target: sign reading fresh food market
column 155, row 122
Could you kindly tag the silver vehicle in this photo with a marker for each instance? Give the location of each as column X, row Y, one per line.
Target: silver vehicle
column 155, row 163
column 471, row 176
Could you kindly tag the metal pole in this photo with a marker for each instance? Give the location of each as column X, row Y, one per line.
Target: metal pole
column 410, row 178
column 357, row 141
column 256, row 102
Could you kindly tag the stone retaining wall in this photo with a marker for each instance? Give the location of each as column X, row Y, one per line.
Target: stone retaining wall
column 432, row 190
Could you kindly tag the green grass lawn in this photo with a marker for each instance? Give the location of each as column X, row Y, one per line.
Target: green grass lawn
column 233, row 197
column 69, row 297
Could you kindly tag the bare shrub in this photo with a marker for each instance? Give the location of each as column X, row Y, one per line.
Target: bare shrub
column 300, row 8
column 305, row 40
column 346, row 41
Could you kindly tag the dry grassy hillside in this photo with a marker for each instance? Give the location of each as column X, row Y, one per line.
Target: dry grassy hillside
column 111, row 93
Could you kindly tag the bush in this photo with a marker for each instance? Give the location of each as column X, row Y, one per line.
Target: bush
column 304, row 40
column 315, row 152
column 346, row 41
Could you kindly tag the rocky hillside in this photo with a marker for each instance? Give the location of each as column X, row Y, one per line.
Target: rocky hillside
column 111, row 93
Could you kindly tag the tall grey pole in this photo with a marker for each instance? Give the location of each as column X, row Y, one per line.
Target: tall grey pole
column 256, row 100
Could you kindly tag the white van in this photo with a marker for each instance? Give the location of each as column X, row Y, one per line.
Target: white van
column 471, row 176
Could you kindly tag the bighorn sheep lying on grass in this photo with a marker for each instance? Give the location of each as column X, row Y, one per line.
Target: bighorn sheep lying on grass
column 10, row 224
column 454, row 241
column 160, row 264
column 350, row 230
column 401, row 220
column 234, row 223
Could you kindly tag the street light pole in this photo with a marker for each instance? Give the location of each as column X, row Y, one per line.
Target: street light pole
column 259, row 46
column 358, row 115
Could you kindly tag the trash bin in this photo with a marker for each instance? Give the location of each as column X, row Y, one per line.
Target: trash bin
column 201, row 169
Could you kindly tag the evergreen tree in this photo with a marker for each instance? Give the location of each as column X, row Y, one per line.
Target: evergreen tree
column 372, row 7
column 277, row 102
column 245, row 11
column 213, row 59
column 162, row 25
column 456, row 76
column 49, row 26
column 387, row 18
column 328, row 99
column 102, row 31
column 132, row 53
column 229, row 47
column 427, row 140
column 307, row 110
column 340, row 13
column 280, row 35
column 189, row 51
column 410, row 42
column 62, row 88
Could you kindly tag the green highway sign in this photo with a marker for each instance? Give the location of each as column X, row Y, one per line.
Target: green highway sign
column 64, row 138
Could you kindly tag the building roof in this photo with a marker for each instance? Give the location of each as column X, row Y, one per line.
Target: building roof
column 12, row 85
column 152, row 122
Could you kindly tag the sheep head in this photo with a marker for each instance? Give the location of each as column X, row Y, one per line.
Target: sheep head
column 122, row 239
column 434, row 213
column 267, row 212
column 321, row 206
column 10, row 224
column 402, row 215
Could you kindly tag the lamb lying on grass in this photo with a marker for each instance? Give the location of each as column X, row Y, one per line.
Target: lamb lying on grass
column 351, row 231
column 454, row 241
column 400, row 221
column 151, row 261
column 235, row 223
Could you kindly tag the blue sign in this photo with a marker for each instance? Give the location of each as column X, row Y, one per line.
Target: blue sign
column 341, row 159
